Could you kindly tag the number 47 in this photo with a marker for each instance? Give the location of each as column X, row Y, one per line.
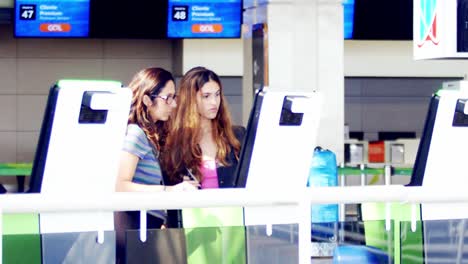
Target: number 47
column 27, row 14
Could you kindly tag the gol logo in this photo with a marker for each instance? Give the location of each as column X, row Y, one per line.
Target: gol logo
column 207, row 28
column 428, row 22
column 59, row 27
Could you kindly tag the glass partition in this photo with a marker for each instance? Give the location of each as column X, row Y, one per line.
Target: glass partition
column 80, row 247
column 278, row 245
column 161, row 246
column 436, row 241
column 421, row 242
column 231, row 244
column 352, row 242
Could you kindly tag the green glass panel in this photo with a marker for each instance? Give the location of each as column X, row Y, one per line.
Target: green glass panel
column 21, row 239
column 24, row 248
column 215, row 235
column 411, row 243
column 374, row 214
column 14, row 224
column 216, row 245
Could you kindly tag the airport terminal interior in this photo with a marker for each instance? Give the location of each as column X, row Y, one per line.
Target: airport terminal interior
column 354, row 114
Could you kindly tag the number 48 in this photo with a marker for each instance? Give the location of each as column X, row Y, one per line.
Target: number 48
column 180, row 15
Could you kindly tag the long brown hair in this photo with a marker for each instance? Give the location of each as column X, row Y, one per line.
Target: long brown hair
column 182, row 150
column 150, row 82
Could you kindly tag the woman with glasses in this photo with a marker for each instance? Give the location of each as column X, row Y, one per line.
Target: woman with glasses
column 152, row 104
column 202, row 125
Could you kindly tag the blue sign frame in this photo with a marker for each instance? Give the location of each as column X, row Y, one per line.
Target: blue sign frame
column 348, row 12
column 52, row 18
column 204, row 18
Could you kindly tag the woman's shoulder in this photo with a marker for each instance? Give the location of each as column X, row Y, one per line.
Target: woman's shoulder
column 134, row 129
column 136, row 141
column 136, row 133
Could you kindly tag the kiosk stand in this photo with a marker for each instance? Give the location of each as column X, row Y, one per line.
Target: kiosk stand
column 276, row 156
column 78, row 153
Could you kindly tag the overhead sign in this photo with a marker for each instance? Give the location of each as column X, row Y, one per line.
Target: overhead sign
column 46, row 18
column 204, row 19
column 438, row 29
column 428, row 23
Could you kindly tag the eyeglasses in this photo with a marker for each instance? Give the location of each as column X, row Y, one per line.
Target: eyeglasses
column 168, row 98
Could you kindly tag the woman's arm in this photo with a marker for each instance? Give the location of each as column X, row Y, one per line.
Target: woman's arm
column 128, row 164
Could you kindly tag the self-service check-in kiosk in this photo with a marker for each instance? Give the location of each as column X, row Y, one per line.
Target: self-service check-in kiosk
column 285, row 138
column 275, row 157
column 78, row 154
column 440, row 163
column 440, row 236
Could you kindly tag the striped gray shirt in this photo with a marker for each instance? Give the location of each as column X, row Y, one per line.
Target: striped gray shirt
column 148, row 170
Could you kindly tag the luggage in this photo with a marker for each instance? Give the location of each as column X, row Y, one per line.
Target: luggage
column 324, row 172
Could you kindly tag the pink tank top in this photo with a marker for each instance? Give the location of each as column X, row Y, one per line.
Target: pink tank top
column 210, row 176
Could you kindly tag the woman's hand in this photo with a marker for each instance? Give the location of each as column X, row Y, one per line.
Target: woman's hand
column 183, row 186
column 193, row 182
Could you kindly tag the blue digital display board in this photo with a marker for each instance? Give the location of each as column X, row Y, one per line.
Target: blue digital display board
column 56, row 18
column 204, row 18
column 348, row 9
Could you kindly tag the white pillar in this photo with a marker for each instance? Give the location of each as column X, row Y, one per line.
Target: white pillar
column 305, row 53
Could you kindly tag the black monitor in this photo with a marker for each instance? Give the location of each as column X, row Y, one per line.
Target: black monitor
column 43, row 143
column 359, row 135
column 245, row 155
column 140, row 19
column 424, row 144
column 383, row 20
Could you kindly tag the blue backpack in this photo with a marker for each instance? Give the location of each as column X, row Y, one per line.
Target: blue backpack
column 323, row 172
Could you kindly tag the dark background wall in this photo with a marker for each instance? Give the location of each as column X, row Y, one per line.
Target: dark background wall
column 388, row 104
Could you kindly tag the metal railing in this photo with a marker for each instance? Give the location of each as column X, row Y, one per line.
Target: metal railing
column 76, row 202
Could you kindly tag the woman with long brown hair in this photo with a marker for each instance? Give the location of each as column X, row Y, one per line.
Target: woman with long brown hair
column 202, row 142
column 152, row 104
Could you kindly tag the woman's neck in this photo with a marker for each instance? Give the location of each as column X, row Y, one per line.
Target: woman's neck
column 207, row 144
column 205, row 126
